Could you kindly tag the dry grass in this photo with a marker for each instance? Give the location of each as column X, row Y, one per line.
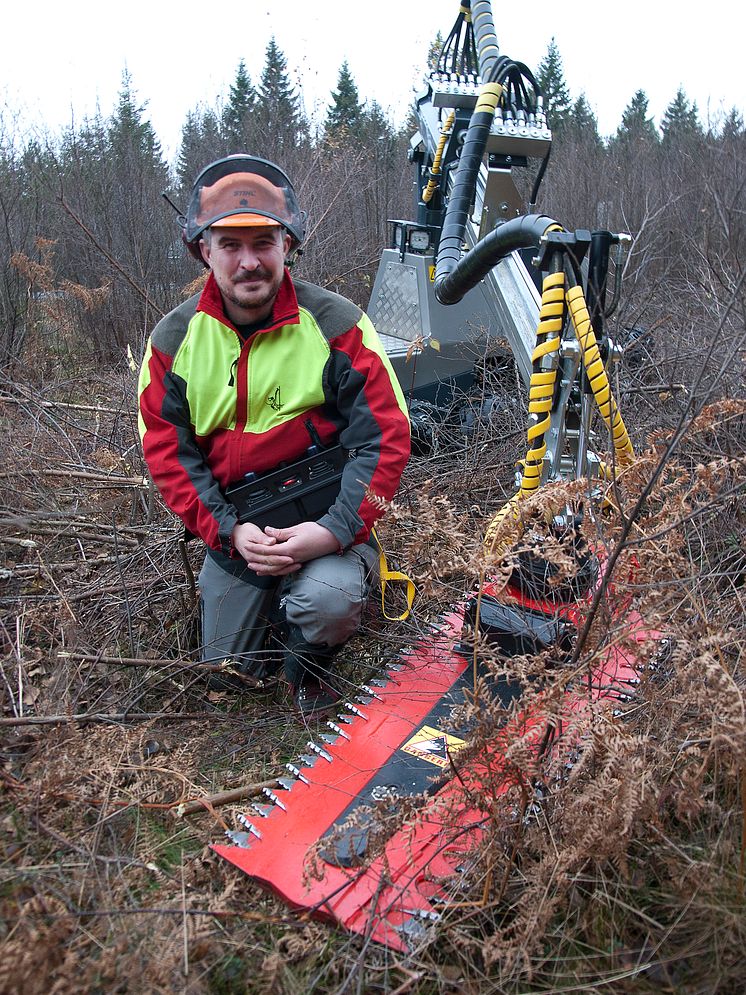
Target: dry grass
column 622, row 872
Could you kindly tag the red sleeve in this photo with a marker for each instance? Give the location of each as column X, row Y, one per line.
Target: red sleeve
column 174, row 458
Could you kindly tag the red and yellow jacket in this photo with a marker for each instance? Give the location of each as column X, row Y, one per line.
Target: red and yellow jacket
column 214, row 407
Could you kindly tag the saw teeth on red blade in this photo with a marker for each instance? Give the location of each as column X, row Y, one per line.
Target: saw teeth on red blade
column 336, row 774
column 392, row 747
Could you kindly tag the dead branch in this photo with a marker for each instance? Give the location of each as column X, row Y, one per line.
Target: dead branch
column 118, row 718
column 49, row 516
column 197, row 665
column 70, row 533
column 62, row 566
column 189, row 573
column 223, row 798
column 654, row 389
column 96, row 408
column 101, row 478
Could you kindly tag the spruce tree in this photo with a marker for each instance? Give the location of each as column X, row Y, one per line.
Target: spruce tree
column 190, row 143
column 345, row 113
column 237, row 123
column 84, row 151
column 279, row 115
column 202, row 141
column 113, row 173
column 680, row 120
column 636, row 126
column 732, row 126
column 582, row 123
column 38, row 172
column 137, row 175
column 130, row 133
column 551, row 79
column 375, row 126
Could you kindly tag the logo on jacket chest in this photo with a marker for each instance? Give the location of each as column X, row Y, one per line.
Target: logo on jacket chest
column 274, row 400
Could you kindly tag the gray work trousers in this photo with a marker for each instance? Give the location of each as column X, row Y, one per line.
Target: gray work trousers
column 325, row 599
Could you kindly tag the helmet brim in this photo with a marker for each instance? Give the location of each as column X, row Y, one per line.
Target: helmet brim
column 246, row 221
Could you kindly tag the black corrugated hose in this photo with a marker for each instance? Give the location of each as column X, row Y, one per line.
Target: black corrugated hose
column 454, row 275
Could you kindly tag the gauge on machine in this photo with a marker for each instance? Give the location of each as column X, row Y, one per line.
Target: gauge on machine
column 419, row 241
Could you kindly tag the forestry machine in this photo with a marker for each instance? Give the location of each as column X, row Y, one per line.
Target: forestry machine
column 471, row 272
column 465, row 276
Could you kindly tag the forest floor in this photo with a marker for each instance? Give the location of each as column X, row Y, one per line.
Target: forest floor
column 109, row 730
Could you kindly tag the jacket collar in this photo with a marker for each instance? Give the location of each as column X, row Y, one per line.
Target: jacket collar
column 284, row 309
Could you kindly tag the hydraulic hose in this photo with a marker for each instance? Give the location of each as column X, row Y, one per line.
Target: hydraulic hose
column 597, row 376
column 488, row 50
column 464, row 184
column 434, row 181
column 454, row 275
column 541, row 395
column 543, row 380
column 548, row 336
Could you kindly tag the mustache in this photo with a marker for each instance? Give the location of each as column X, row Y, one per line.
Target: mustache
column 252, row 277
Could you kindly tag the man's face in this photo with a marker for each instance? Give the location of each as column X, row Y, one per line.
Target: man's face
column 248, row 266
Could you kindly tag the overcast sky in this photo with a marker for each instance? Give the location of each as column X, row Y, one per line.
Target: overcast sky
column 60, row 61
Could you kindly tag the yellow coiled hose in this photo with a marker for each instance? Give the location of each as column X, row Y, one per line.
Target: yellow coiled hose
column 487, row 101
column 597, row 376
column 541, row 389
column 489, row 98
column 434, row 181
column 541, row 393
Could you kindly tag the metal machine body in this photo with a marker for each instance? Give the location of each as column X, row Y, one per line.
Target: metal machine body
column 403, row 306
column 434, row 348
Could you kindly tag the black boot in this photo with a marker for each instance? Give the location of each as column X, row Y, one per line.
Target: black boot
column 258, row 677
column 263, row 671
column 309, row 673
column 258, row 673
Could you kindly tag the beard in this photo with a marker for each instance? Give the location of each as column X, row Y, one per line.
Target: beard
column 255, row 292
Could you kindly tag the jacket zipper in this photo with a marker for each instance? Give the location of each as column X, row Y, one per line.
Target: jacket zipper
column 242, row 385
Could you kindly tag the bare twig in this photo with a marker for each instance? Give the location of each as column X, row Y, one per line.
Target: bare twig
column 108, row 256
column 196, row 666
column 102, row 478
column 188, row 572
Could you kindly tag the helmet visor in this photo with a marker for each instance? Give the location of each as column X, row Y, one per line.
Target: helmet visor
column 243, row 191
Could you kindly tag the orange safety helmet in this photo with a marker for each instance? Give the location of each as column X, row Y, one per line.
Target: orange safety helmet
column 242, row 191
